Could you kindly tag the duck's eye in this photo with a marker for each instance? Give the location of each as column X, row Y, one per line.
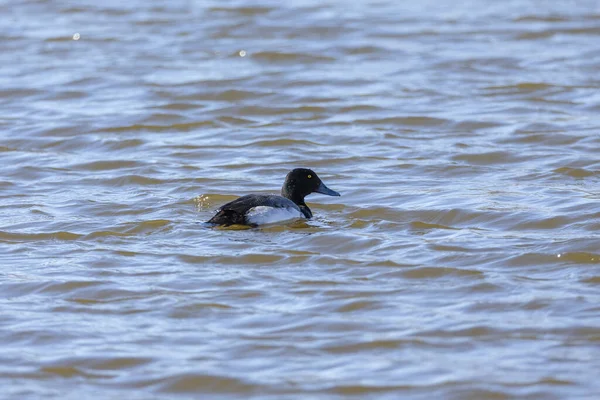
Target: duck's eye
column 309, row 176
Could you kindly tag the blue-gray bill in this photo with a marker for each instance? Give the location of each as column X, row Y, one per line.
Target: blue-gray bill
column 325, row 190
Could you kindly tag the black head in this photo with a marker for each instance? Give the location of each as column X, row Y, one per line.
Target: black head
column 301, row 182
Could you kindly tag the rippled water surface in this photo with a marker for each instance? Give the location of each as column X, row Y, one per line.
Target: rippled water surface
column 462, row 260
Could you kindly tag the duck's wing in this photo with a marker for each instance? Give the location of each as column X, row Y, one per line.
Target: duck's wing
column 234, row 212
column 272, row 200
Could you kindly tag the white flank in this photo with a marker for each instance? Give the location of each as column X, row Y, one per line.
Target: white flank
column 262, row 215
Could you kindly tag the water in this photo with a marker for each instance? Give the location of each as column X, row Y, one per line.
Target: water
column 462, row 260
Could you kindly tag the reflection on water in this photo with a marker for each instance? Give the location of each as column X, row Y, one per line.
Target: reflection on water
column 460, row 262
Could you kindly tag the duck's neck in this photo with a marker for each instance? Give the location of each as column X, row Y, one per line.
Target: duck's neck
column 289, row 194
column 305, row 210
column 298, row 199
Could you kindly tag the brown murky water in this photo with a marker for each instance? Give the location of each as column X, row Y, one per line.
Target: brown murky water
column 462, row 260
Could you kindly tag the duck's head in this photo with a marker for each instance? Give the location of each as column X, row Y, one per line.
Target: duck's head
column 301, row 182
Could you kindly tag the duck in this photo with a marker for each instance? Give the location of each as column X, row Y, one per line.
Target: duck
column 260, row 209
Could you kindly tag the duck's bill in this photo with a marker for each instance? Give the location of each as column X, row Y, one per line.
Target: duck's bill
column 325, row 190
